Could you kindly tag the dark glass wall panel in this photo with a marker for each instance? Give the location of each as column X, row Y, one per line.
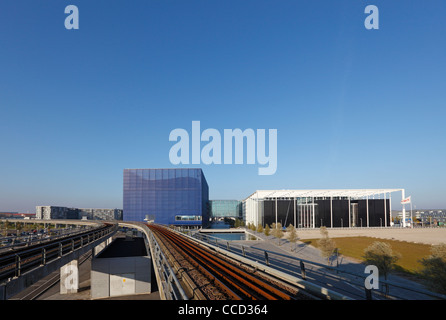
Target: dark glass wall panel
column 340, row 213
column 372, row 215
column 285, row 209
column 362, row 213
column 327, row 212
column 269, row 213
column 322, row 213
column 377, row 215
column 285, row 212
column 376, row 212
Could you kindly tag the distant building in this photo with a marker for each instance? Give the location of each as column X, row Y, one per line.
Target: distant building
column 55, row 213
column 317, row 208
column 430, row 217
column 16, row 215
column 63, row 213
column 100, row 214
column 225, row 209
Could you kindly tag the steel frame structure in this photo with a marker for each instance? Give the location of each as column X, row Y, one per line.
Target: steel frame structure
column 252, row 210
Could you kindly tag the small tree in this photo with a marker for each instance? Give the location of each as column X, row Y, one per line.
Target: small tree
column 380, row 254
column 267, row 230
column 435, row 268
column 259, row 228
column 277, row 231
column 325, row 244
column 292, row 234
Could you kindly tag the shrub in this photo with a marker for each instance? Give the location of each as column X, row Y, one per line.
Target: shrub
column 435, row 268
column 325, row 244
column 267, row 230
column 380, row 254
column 277, row 231
column 292, row 234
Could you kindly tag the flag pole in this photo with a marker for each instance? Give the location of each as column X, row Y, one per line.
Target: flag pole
column 404, row 208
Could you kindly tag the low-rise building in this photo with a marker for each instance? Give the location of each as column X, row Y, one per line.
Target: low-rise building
column 63, row 213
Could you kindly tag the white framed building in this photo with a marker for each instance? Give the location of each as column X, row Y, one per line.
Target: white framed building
column 324, row 207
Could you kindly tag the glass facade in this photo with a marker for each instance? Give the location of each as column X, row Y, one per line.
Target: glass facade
column 316, row 212
column 166, row 196
column 225, row 208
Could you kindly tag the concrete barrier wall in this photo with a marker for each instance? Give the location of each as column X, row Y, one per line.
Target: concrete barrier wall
column 120, row 276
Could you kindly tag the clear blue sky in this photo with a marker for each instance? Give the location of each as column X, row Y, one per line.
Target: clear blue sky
column 354, row 108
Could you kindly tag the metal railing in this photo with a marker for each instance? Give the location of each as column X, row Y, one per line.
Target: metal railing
column 172, row 289
column 17, row 262
column 13, row 242
column 168, row 284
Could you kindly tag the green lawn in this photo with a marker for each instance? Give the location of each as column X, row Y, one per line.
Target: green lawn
column 410, row 253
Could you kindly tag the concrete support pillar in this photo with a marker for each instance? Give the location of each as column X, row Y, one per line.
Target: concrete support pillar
column 69, row 277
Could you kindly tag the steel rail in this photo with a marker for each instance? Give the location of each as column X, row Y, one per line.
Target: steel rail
column 244, row 282
column 233, row 275
column 206, row 271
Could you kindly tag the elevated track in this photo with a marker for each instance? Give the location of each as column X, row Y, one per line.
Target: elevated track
column 24, row 266
column 209, row 275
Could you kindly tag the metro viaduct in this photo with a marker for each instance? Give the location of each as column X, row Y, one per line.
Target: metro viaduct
column 21, row 267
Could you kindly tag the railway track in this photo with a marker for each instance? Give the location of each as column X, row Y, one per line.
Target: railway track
column 211, row 276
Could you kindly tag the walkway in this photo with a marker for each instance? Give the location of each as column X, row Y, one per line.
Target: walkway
column 286, row 257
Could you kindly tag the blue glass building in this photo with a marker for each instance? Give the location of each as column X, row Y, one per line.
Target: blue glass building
column 167, row 196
